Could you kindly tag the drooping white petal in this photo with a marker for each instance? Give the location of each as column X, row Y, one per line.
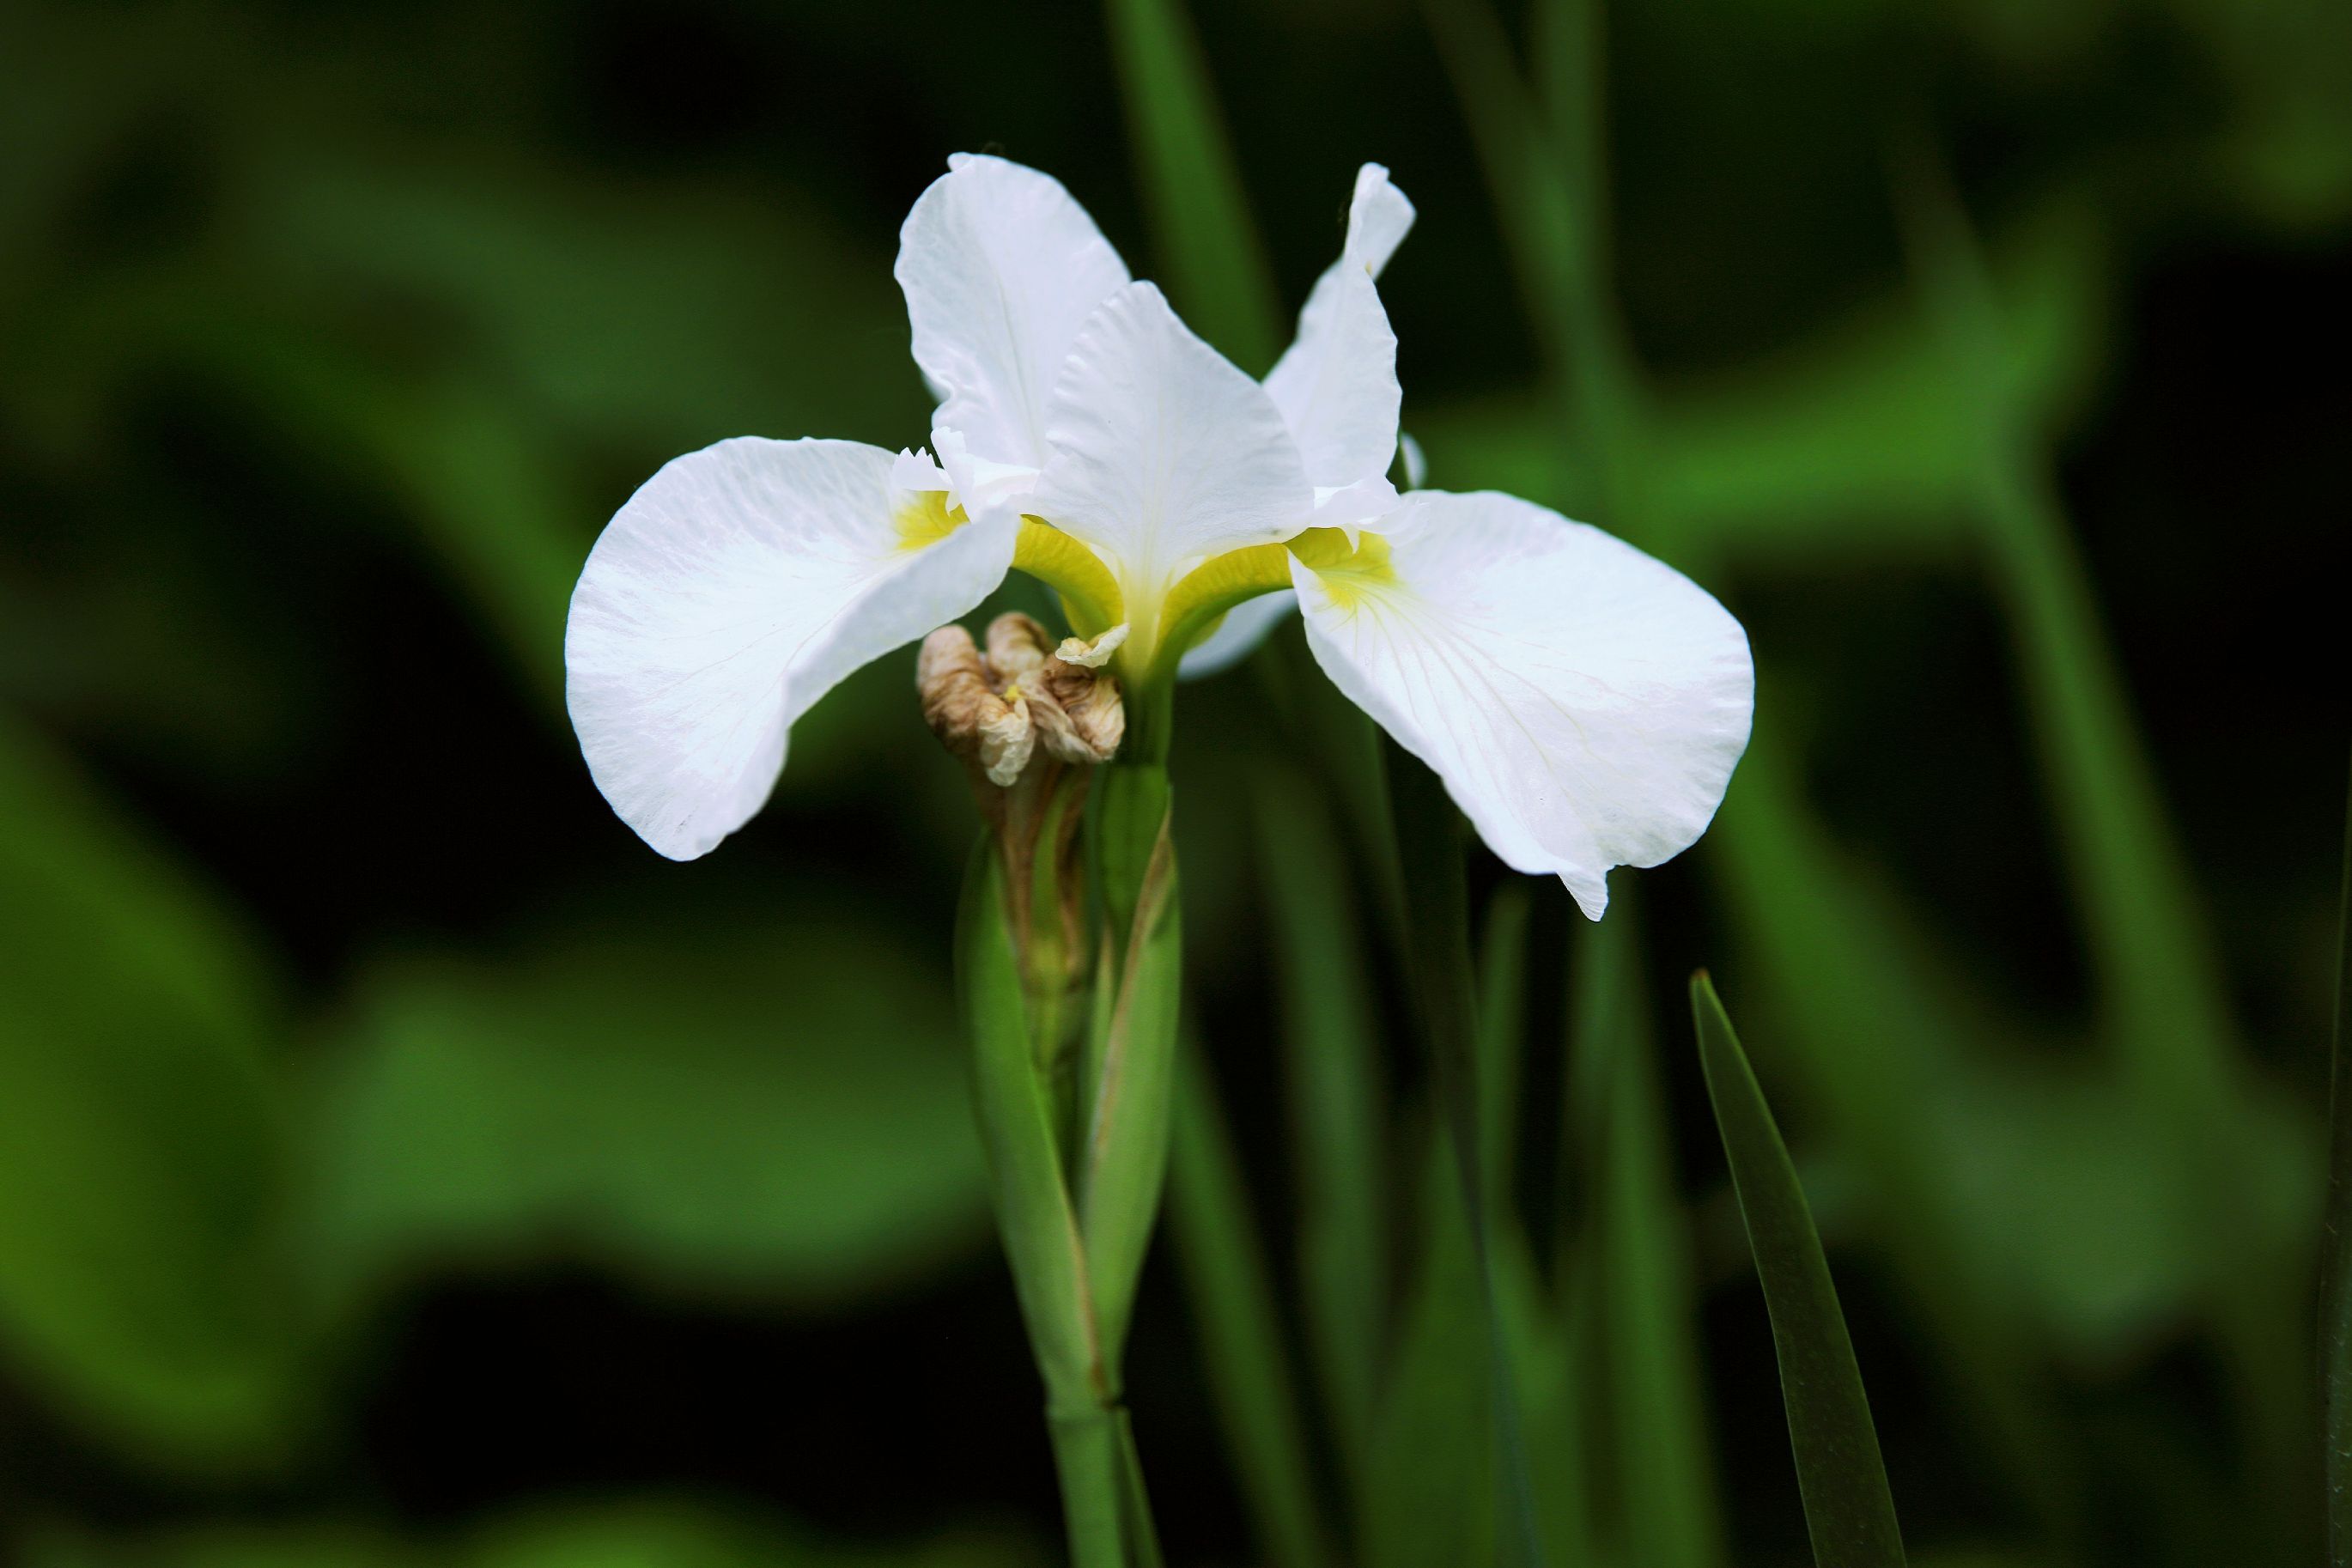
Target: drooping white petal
column 1001, row 267
column 1584, row 703
column 1246, row 626
column 1164, row 452
column 1336, row 383
column 735, row 588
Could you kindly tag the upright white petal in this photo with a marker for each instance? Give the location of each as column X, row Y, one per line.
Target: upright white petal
column 1584, row 703
column 1164, row 452
column 1379, row 217
column 1246, row 626
column 1336, row 383
column 1001, row 267
column 736, row 587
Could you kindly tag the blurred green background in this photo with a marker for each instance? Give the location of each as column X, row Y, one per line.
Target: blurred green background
column 399, row 1163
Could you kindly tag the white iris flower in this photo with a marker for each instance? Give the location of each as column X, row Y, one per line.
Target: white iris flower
column 1584, row 703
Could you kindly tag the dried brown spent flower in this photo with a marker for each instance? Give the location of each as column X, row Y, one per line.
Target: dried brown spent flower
column 997, row 709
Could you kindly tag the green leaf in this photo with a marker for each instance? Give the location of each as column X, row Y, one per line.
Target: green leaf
column 1437, row 931
column 1638, row 1254
column 1216, row 269
column 1224, row 1262
column 1132, row 1079
column 1848, row 1510
column 1426, row 1499
column 1343, row 751
column 1877, row 1036
column 1330, row 1045
column 766, row 1113
column 1502, row 1021
column 140, row 1132
column 1035, row 1221
column 2336, row 1278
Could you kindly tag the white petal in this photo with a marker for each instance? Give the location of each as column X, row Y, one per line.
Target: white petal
column 1336, row 383
column 1367, row 503
column 1246, row 626
column 981, row 485
column 1379, row 217
column 1001, row 267
column 1584, row 703
column 736, row 587
column 1164, row 453
column 917, row 471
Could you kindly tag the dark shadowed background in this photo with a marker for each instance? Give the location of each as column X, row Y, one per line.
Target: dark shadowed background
column 401, row 1163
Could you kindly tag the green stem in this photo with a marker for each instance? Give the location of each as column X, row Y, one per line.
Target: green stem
column 1089, row 1456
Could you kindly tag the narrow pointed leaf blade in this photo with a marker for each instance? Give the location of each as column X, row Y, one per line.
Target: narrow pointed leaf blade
column 1125, row 1154
column 1645, row 1311
column 1033, row 1211
column 1437, row 955
column 1224, row 1263
column 1330, row 1045
column 1848, row 1509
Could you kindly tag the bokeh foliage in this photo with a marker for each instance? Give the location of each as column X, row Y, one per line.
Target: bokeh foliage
column 337, row 1017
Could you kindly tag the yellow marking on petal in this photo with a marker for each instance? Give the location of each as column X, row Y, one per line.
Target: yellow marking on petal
column 924, row 518
column 1349, row 576
column 1091, row 595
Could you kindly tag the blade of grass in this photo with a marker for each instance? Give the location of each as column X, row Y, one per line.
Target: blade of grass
column 1330, row 1047
column 1430, row 1475
column 2336, row 1263
column 1216, row 268
column 1849, row 1511
column 1224, row 1263
column 1437, row 928
column 1869, row 1037
column 1649, row 1327
column 1343, row 751
column 1502, row 1020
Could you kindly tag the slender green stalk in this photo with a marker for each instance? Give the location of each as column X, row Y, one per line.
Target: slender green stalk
column 1131, row 1090
column 1502, row 1017
column 1647, row 1318
column 1224, row 1268
column 1092, row 1470
column 1331, row 1051
column 2336, row 1261
column 1437, row 928
column 1034, row 1217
